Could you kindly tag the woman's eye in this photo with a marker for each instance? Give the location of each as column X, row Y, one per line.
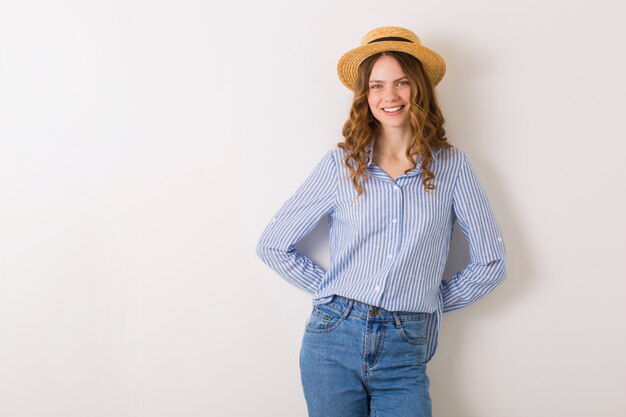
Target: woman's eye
column 378, row 86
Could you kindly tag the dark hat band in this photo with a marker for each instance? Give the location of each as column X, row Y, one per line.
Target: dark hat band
column 390, row 38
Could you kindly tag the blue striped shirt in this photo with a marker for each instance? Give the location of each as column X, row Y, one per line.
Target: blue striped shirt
column 389, row 247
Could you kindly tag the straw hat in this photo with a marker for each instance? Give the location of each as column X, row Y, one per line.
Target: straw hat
column 390, row 38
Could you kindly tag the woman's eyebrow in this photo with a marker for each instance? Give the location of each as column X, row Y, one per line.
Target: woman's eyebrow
column 379, row 81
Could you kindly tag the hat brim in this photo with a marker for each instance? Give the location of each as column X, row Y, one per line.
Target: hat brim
column 348, row 65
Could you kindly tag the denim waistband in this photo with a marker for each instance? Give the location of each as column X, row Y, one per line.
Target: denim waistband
column 369, row 312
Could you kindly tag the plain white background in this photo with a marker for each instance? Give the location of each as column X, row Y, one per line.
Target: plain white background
column 144, row 145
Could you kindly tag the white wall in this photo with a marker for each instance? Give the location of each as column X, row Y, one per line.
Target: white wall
column 145, row 145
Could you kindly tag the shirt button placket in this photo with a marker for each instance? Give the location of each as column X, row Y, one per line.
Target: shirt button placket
column 397, row 215
column 396, row 208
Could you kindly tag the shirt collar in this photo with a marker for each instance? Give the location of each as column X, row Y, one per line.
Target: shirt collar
column 370, row 152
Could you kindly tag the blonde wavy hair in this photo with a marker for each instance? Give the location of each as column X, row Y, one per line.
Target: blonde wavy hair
column 426, row 121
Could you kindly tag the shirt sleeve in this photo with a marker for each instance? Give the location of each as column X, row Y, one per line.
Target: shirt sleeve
column 487, row 266
column 296, row 217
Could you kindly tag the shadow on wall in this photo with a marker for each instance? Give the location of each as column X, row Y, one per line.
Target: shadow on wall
column 448, row 385
column 445, row 381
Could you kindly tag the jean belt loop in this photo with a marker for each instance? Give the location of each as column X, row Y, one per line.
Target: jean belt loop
column 397, row 320
column 348, row 308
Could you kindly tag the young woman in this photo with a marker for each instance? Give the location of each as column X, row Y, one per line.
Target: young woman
column 392, row 190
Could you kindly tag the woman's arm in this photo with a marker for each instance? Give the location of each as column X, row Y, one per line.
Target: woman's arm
column 297, row 216
column 487, row 266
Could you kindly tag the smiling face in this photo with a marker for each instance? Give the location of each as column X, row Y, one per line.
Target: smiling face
column 389, row 93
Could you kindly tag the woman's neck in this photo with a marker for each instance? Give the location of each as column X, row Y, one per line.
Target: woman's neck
column 392, row 144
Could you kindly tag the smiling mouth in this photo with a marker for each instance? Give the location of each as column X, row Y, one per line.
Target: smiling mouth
column 395, row 109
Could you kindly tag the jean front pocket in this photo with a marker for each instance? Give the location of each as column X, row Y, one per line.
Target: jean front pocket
column 413, row 329
column 324, row 318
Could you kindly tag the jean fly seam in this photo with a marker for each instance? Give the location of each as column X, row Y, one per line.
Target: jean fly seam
column 379, row 348
column 373, row 406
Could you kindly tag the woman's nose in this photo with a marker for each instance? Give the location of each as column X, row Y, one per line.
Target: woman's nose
column 391, row 95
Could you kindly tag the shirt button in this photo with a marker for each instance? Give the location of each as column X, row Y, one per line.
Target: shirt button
column 274, row 219
column 390, row 256
column 396, row 187
column 499, row 239
column 394, row 221
column 377, row 288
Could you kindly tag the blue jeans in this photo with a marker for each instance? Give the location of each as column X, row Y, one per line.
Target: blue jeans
column 358, row 360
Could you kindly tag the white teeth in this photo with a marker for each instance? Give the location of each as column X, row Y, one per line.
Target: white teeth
column 392, row 109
